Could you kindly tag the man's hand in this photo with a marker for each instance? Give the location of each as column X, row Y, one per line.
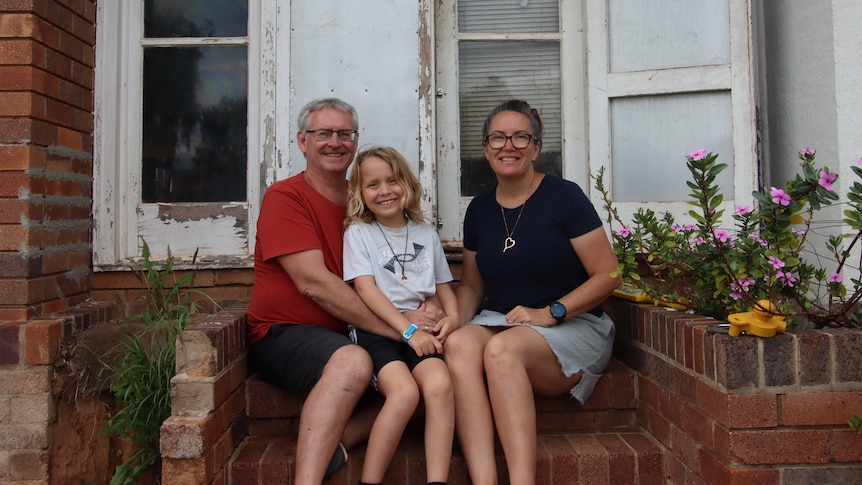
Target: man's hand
column 426, row 314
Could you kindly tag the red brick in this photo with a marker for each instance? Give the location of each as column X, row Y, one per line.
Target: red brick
column 21, row 25
column 183, row 472
column 565, row 462
column 713, row 470
column 42, row 341
column 676, row 470
column 838, row 474
column 846, row 446
column 622, row 380
column 780, row 446
column 658, row 426
column 698, row 425
column 819, row 408
column 683, row 383
column 736, row 361
column 593, row 466
column 245, row 467
column 13, row 314
column 848, row 355
column 20, row 157
column 752, row 411
column 277, row 465
column 10, row 342
column 698, row 334
column 621, row 461
column 686, row 448
column 815, row 364
column 649, row 391
column 649, row 458
column 779, row 361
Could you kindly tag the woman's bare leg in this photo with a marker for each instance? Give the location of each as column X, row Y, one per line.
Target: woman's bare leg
column 519, row 362
column 473, row 421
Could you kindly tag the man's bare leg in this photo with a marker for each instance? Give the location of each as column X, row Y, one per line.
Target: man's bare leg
column 327, row 409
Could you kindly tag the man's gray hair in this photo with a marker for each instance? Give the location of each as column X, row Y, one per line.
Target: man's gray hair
column 326, row 103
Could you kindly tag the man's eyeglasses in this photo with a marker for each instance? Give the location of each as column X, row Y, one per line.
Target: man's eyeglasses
column 519, row 140
column 325, row 135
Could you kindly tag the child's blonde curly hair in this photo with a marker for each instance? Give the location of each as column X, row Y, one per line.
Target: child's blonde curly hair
column 410, row 202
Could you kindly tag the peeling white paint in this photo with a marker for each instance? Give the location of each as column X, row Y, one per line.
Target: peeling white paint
column 211, row 236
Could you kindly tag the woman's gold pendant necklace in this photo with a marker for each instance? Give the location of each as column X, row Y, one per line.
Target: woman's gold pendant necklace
column 509, row 243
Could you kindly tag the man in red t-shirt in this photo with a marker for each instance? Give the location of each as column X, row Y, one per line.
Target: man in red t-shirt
column 300, row 305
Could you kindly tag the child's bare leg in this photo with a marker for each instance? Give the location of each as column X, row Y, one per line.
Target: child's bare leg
column 402, row 396
column 432, row 375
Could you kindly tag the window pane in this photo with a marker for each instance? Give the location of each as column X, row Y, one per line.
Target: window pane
column 508, row 16
column 650, row 137
column 661, row 34
column 195, row 120
column 195, row 18
column 493, row 72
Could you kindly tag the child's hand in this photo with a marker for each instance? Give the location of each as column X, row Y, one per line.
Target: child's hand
column 444, row 327
column 424, row 344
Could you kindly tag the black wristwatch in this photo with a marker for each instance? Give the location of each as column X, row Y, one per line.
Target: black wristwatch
column 558, row 311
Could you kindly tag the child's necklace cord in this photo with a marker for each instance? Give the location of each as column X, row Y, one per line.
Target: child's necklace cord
column 396, row 257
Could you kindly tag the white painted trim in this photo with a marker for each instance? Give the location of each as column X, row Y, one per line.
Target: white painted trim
column 427, row 110
column 736, row 77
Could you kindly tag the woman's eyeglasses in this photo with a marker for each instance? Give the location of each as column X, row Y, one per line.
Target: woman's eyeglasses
column 519, row 140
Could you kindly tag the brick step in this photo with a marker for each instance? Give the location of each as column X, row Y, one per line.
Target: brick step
column 630, row 457
column 612, row 406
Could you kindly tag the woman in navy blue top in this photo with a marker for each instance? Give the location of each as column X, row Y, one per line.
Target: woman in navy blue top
column 537, row 265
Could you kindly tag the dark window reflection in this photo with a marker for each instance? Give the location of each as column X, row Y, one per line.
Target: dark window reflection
column 195, row 18
column 195, row 124
column 477, row 176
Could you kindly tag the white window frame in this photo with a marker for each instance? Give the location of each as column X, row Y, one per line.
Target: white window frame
column 588, row 88
column 451, row 206
column 736, row 77
column 225, row 231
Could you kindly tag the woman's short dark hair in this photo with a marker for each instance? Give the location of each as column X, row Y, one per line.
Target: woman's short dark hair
column 517, row 106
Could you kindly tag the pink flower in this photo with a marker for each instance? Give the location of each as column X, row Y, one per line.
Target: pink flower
column 623, row 232
column 742, row 209
column 787, row 277
column 779, row 196
column 859, row 162
column 776, row 263
column 826, row 179
column 722, row 235
column 698, row 155
column 807, row 151
column 836, row 278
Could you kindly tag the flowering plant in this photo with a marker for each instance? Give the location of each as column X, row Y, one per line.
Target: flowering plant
column 767, row 255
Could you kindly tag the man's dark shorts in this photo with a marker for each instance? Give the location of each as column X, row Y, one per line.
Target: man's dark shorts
column 293, row 356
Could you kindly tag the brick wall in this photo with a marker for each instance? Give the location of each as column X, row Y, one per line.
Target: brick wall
column 46, row 144
column 744, row 409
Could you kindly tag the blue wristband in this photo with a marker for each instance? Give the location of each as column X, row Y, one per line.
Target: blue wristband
column 409, row 332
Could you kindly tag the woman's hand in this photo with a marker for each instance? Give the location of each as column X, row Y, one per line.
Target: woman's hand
column 424, row 343
column 540, row 317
